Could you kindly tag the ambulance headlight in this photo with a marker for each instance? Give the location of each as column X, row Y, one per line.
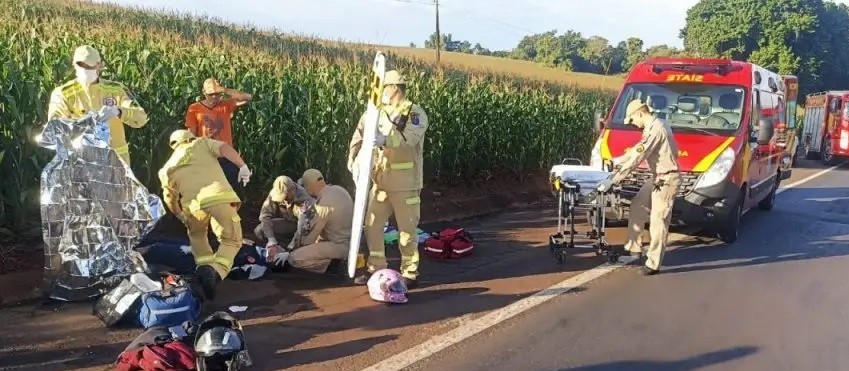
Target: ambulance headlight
column 595, row 155
column 718, row 171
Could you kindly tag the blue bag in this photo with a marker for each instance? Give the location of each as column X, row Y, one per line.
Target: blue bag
column 168, row 308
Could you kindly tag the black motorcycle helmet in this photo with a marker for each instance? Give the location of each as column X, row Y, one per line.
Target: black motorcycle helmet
column 220, row 344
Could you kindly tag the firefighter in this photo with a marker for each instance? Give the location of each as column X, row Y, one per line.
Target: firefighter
column 212, row 117
column 397, row 177
column 195, row 189
column 653, row 202
column 88, row 92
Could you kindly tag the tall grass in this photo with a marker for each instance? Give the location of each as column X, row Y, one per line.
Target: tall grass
column 307, row 98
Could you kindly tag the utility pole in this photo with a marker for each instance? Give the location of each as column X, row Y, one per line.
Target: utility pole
column 438, row 35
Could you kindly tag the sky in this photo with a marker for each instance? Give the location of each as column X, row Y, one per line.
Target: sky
column 495, row 24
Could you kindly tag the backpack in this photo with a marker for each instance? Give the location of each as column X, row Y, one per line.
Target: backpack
column 450, row 243
column 155, row 349
column 169, row 307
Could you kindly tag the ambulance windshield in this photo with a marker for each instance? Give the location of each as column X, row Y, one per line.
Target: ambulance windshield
column 702, row 108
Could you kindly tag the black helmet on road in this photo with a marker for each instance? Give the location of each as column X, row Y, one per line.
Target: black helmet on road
column 220, row 344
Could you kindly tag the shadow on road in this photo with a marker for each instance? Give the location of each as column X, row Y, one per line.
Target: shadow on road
column 796, row 229
column 692, row 363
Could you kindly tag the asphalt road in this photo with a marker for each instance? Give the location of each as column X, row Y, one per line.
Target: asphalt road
column 774, row 300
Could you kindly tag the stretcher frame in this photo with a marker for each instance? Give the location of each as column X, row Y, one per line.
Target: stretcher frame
column 578, row 192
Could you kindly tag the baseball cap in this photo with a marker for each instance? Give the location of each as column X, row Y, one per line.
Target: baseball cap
column 87, row 55
column 211, row 86
column 281, row 188
column 179, row 136
column 393, row 77
column 310, row 177
column 633, row 107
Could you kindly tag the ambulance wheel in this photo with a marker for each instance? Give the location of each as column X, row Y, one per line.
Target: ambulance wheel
column 767, row 203
column 730, row 231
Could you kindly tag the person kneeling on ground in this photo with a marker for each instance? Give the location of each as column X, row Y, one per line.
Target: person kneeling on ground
column 322, row 233
column 277, row 220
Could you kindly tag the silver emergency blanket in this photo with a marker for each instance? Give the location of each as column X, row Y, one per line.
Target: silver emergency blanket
column 93, row 211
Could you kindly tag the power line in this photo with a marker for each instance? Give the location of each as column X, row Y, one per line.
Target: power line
column 481, row 16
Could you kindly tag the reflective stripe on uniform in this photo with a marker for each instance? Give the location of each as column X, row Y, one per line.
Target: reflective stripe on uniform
column 413, row 200
column 401, row 166
column 221, row 197
column 204, row 260
column 122, row 150
column 224, row 262
column 376, row 254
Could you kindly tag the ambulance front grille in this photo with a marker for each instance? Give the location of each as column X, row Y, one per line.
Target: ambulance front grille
column 632, row 184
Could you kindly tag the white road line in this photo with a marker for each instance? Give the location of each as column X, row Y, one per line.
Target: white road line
column 471, row 328
column 808, row 179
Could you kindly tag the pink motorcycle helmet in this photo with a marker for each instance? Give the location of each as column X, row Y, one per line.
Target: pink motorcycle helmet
column 386, row 285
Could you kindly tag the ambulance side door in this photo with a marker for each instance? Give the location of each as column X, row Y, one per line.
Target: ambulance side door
column 756, row 159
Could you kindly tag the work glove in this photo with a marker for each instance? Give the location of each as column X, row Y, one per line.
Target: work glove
column 605, row 185
column 280, row 258
column 244, row 175
column 379, row 140
column 108, row 112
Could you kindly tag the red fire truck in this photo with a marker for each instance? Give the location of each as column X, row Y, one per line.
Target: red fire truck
column 825, row 133
column 723, row 115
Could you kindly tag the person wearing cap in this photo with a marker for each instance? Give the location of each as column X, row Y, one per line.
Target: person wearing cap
column 195, row 190
column 316, row 242
column 397, row 175
column 277, row 220
column 653, row 202
column 90, row 93
column 331, row 235
column 212, row 118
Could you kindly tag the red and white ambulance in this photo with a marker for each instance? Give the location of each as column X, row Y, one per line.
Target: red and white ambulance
column 723, row 115
column 825, row 133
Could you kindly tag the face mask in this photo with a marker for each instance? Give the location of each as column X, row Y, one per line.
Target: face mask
column 86, row 76
column 387, row 98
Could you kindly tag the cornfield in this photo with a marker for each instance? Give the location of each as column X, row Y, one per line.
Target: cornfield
column 307, row 98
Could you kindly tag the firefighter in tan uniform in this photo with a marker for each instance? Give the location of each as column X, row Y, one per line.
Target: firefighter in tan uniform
column 195, row 189
column 653, row 202
column 88, row 92
column 324, row 226
column 397, row 177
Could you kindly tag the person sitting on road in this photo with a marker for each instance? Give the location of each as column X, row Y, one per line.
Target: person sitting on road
column 305, row 250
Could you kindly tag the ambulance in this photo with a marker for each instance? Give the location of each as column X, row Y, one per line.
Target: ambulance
column 723, row 115
column 826, row 130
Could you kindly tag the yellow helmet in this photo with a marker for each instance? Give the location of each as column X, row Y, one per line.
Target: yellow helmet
column 179, row 136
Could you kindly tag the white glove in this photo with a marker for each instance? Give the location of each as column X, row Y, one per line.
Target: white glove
column 605, row 185
column 244, row 175
column 379, row 140
column 108, row 112
column 280, row 258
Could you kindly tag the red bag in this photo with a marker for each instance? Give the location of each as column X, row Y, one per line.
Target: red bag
column 449, row 244
column 172, row 355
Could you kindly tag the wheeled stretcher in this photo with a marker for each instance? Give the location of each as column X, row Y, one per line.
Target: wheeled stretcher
column 576, row 189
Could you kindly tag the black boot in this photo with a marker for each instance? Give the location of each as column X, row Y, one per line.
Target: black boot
column 209, row 279
column 646, row 271
column 363, row 278
column 411, row 283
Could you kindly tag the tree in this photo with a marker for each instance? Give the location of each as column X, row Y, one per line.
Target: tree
column 803, row 37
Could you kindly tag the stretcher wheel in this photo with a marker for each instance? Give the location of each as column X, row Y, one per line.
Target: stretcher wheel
column 559, row 256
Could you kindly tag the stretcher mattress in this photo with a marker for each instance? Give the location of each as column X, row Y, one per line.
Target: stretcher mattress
column 587, row 177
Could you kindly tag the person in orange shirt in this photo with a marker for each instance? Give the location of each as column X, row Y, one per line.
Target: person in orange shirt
column 212, row 118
